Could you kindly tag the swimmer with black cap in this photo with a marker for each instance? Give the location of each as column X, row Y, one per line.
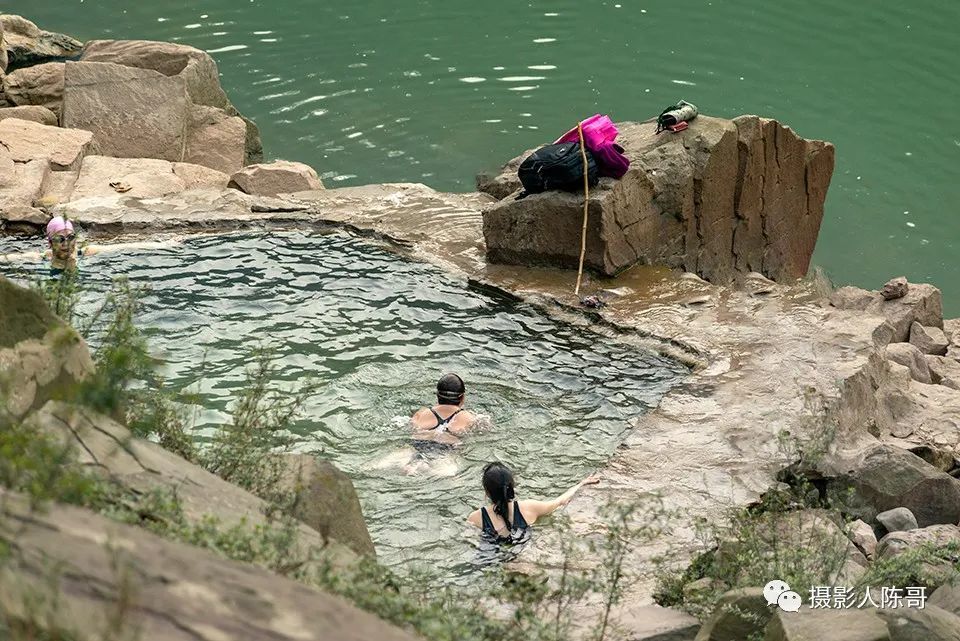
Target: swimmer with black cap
column 447, row 417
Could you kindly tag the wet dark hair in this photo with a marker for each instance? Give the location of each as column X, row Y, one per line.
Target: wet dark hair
column 450, row 390
column 498, row 484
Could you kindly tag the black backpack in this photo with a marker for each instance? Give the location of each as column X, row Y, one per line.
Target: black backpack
column 556, row 167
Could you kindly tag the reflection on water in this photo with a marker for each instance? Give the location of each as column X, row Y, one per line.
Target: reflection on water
column 373, row 333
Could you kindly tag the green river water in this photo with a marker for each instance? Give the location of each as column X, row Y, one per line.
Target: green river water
column 432, row 91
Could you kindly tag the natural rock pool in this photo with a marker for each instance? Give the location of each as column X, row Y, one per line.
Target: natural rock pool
column 374, row 332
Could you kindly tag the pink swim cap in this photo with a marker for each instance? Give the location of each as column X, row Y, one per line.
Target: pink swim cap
column 58, row 224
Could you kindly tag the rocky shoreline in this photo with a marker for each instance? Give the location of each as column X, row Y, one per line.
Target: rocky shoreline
column 884, row 364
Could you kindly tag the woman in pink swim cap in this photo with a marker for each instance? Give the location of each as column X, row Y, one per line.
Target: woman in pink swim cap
column 63, row 252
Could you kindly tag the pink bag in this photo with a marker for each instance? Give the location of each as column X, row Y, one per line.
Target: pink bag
column 599, row 132
column 597, row 129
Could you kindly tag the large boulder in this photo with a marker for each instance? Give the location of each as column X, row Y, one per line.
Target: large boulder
column 278, row 177
column 929, row 624
column 120, row 581
column 34, row 113
column 63, row 149
column 899, row 519
column 27, row 45
column 41, row 85
column 882, row 477
column 852, row 624
column 40, row 356
column 216, row 140
column 722, row 197
column 327, row 502
column 197, row 68
column 133, row 113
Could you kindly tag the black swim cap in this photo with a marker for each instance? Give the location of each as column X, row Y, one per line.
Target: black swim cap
column 450, row 388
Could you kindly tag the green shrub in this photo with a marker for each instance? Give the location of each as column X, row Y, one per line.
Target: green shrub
column 42, row 468
column 249, row 450
column 928, row 565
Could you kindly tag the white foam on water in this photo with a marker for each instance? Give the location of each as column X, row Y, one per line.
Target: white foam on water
column 684, row 82
column 472, row 79
column 227, row 48
column 542, row 40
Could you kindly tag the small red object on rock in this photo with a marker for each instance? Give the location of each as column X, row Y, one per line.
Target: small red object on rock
column 680, row 126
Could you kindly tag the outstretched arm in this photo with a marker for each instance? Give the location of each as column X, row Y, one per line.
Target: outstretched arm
column 532, row 510
column 146, row 244
column 20, row 257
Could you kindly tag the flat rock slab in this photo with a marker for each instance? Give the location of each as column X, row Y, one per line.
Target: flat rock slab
column 133, row 113
column 64, row 149
column 176, row 592
column 106, row 177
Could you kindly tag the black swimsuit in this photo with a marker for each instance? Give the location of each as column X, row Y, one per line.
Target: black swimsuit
column 426, row 447
column 442, row 422
column 518, row 529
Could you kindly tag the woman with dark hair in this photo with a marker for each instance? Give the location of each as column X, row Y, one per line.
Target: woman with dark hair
column 447, row 417
column 507, row 519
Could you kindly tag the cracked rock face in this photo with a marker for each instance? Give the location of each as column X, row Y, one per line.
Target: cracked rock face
column 721, row 198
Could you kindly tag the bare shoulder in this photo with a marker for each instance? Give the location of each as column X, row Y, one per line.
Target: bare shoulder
column 422, row 419
column 475, row 519
column 463, row 421
column 533, row 509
